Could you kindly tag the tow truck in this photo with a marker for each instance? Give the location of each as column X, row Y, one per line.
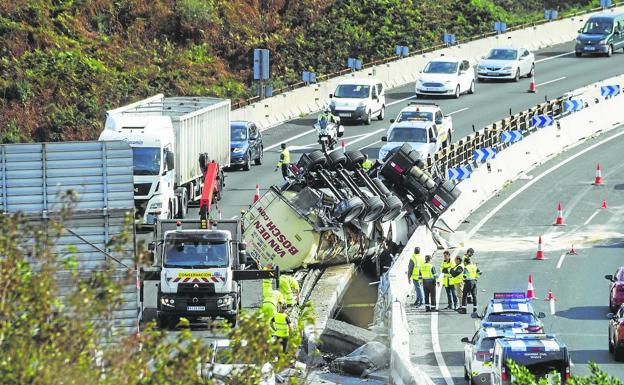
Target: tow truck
column 197, row 265
column 428, row 112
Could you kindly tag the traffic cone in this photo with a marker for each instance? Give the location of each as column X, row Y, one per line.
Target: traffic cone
column 572, row 251
column 598, row 179
column 540, row 254
column 604, row 204
column 532, row 85
column 530, row 294
column 550, row 297
column 256, row 196
column 343, row 145
column 559, row 220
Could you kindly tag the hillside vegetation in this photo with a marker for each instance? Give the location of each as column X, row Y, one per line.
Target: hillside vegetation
column 63, row 63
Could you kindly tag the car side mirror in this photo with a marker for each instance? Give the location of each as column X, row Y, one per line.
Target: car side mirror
column 609, row 277
column 439, row 121
column 384, row 138
column 433, row 140
column 242, row 257
column 331, row 96
column 579, row 31
column 391, row 121
column 474, row 315
column 170, row 160
column 610, row 315
column 151, row 246
column 541, row 315
column 242, row 246
column 465, row 340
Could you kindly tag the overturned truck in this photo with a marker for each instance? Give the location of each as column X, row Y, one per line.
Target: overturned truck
column 332, row 211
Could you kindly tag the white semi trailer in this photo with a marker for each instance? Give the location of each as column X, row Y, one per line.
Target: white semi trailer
column 172, row 140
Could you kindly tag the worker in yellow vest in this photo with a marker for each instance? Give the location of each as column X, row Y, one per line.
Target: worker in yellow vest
column 446, row 267
column 471, row 275
column 294, row 289
column 286, row 290
column 367, row 164
column 457, row 278
column 284, row 161
column 429, row 277
column 413, row 275
column 271, row 303
column 267, row 282
column 281, row 325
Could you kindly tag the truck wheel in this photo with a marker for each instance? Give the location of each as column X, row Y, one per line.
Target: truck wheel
column 355, row 157
column 381, row 187
column 163, row 322
column 317, row 158
column 231, row 320
column 374, row 209
column 392, row 209
column 368, row 118
column 618, row 354
column 258, row 160
column 247, row 165
column 170, row 212
column 347, row 210
column 336, row 159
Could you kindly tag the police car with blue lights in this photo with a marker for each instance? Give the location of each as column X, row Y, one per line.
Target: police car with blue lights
column 542, row 354
column 479, row 350
column 509, row 308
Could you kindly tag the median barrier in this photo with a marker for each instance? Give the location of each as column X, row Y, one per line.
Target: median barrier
column 512, row 160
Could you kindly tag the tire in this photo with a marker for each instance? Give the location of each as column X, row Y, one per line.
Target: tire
column 336, row 159
column 247, row 165
column 381, row 187
column 349, row 209
column 466, row 376
column 457, row 92
column 355, row 157
column 382, row 113
column 317, row 158
column 182, row 207
column 609, row 51
column 173, row 322
column 517, row 77
column 374, row 209
column 578, row 54
column 531, row 72
column 472, row 88
column 368, row 119
column 162, row 322
column 392, row 209
column 170, row 212
column 618, row 354
column 481, row 80
column 323, row 146
column 232, row 320
column 448, row 141
column 258, row 160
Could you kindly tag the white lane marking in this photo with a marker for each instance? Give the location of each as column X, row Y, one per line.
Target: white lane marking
column 536, row 179
column 460, row 110
column 234, row 217
column 550, row 81
column 359, row 140
column 561, row 260
column 369, row 145
column 289, row 139
column 590, row 218
column 401, row 100
column 306, row 146
column 435, row 342
column 554, row 57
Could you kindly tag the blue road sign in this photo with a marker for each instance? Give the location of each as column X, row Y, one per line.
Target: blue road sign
column 573, row 105
column 511, row 136
column 354, row 64
column 405, row 51
column 542, row 120
column 261, row 64
column 612, row 90
column 449, row 38
column 499, row 26
column 459, row 173
column 550, row 14
column 398, row 49
column 484, row 154
column 308, row 77
column 605, row 3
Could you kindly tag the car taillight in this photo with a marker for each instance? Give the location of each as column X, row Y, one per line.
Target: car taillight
column 534, row 328
column 503, row 374
column 567, row 376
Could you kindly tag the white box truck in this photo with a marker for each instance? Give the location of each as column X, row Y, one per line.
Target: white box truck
column 172, row 140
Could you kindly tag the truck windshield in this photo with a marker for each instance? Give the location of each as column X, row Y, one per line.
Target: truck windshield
column 355, row 91
column 146, row 160
column 196, row 252
column 408, row 134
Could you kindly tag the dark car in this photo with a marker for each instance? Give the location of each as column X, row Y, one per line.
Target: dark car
column 616, row 334
column 246, row 145
column 602, row 34
column 616, row 289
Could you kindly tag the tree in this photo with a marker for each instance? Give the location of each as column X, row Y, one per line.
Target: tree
column 46, row 339
column 522, row 376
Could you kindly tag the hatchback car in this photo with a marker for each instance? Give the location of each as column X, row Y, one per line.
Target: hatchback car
column 246, row 144
column 602, row 34
column 512, row 308
column 506, row 63
column 616, row 289
column 616, row 334
column 446, row 76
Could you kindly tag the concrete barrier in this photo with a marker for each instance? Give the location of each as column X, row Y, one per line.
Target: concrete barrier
column 600, row 115
column 301, row 101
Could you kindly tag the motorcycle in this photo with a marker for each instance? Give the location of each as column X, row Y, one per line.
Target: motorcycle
column 328, row 133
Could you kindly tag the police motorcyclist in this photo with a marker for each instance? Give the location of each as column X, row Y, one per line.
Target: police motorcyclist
column 327, row 117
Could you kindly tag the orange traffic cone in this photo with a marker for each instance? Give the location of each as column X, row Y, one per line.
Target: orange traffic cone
column 256, row 196
column 572, row 251
column 598, row 179
column 540, row 254
column 559, row 220
column 604, row 204
column 532, row 85
column 550, row 297
column 530, row 294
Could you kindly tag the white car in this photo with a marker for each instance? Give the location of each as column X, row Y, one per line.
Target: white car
column 422, row 136
column 429, row 112
column 223, row 367
column 446, row 76
column 506, row 63
column 359, row 100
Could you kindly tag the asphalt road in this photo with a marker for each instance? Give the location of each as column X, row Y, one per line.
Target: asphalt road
column 557, row 71
column 506, row 245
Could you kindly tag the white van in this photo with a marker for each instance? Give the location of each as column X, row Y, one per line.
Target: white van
column 359, row 100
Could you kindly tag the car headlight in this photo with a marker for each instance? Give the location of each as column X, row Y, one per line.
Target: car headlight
column 238, row 149
column 361, row 104
column 447, row 82
column 419, row 81
column 169, row 302
column 602, row 42
column 156, row 206
column 224, row 301
column 507, row 67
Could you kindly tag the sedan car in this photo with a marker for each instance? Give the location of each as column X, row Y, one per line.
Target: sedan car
column 506, row 63
column 509, row 309
column 446, row 76
column 246, row 145
column 616, row 334
column 422, row 136
column 616, row 289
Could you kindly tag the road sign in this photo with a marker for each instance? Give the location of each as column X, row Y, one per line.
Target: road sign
column 261, row 64
column 612, row 90
column 459, row 173
column 354, row 64
column 542, row 120
column 449, row 38
column 550, row 14
column 573, row 105
column 605, row 3
column 511, row 136
column 308, row 77
column 484, row 154
column 499, row 26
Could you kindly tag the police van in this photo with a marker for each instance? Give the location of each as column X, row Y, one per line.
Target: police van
column 542, row 354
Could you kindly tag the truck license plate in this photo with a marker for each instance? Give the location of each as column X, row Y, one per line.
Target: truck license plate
column 344, row 114
column 196, row 308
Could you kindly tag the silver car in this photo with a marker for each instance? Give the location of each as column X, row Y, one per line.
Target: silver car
column 506, row 63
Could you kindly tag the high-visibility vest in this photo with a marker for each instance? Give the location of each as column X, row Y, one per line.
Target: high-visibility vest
column 284, row 157
column 418, row 260
column 367, row 164
column 266, row 287
column 458, row 279
column 446, row 280
column 426, row 270
column 294, row 285
column 280, row 325
column 470, row 272
column 271, row 301
column 284, row 287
